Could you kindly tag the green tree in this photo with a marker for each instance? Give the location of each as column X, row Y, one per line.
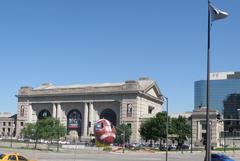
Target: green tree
column 50, row 129
column 161, row 124
column 147, row 129
column 123, row 129
column 28, row 131
column 154, row 128
column 181, row 128
column 47, row 129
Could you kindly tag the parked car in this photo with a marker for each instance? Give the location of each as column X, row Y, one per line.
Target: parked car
column 221, row 157
column 170, row 147
column 133, row 145
column 64, row 142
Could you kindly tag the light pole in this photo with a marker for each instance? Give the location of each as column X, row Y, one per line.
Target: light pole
column 238, row 113
column 208, row 141
column 213, row 14
column 11, row 140
column 166, row 98
column 123, row 137
column 12, row 132
column 123, row 143
column 191, row 136
column 224, row 142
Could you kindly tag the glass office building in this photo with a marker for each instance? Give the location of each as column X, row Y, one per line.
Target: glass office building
column 222, row 85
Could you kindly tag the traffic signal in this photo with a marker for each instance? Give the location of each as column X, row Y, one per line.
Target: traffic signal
column 204, row 137
column 204, row 141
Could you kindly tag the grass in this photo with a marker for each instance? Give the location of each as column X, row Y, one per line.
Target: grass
column 227, row 149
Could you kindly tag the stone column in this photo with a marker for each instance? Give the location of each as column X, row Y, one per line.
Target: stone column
column 90, row 130
column 59, row 111
column 54, row 111
column 29, row 112
column 121, row 112
column 85, row 120
column 199, row 133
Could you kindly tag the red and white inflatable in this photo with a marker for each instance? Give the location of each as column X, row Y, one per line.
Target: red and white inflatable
column 104, row 131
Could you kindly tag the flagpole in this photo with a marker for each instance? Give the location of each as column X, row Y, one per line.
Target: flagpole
column 208, row 143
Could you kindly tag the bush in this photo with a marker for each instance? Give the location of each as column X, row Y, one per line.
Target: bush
column 107, row 148
column 99, row 144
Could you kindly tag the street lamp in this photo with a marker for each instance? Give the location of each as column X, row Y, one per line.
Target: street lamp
column 123, row 141
column 238, row 113
column 191, row 134
column 123, row 137
column 12, row 132
column 166, row 98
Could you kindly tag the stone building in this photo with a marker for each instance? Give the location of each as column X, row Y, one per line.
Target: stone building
column 7, row 124
column 199, row 127
column 78, row 107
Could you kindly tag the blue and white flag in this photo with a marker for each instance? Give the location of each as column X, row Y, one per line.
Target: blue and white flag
column 217, row 14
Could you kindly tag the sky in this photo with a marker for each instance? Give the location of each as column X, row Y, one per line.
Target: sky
column 95, row 41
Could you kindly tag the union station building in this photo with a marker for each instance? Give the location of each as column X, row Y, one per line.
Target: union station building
column 79, row 106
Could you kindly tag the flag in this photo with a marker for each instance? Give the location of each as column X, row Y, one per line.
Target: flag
column 217, row 14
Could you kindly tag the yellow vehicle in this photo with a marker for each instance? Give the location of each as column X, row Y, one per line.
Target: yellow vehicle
column 13, row 157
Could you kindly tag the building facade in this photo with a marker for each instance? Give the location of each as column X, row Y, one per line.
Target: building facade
column 78, row 107
column 7, row 125
column 222, row 84
column 198, row 119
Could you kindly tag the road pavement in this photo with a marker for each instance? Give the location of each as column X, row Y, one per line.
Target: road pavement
column 86, row 155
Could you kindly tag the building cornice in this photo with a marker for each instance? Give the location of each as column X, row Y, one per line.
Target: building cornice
column 74, row 94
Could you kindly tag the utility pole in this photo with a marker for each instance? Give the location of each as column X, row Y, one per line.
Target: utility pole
column 191, row 136
column 166, row 98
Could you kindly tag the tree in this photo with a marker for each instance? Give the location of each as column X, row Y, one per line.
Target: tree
column 147, row 129
column 161, row 124
column 123, row 129
column 47, row 129
column 154, row 128
column 181, row 128
column 28, row 131
column 50, row 128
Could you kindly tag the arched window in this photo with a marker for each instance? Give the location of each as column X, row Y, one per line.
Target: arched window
column 110, row 115
column 44, row 114
column 74, row 120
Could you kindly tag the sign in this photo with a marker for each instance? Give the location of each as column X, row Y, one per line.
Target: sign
column 74, row 120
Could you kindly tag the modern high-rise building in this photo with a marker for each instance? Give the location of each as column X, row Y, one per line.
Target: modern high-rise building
column 222, row 85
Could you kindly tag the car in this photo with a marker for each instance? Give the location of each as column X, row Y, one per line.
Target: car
column 13, row 157
column 220, row 157
column 63, row 142
column 163, row 147
column 172, row 147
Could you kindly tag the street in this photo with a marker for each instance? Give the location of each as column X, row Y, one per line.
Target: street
column 83, row 155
